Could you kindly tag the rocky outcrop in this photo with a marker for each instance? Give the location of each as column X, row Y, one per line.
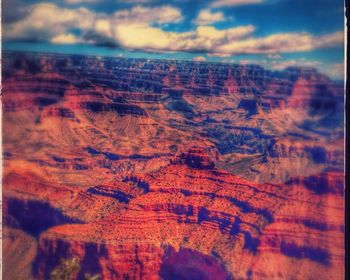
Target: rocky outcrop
column 208, row 215
column 182, row 205
column 198, row 158
column 309, row 236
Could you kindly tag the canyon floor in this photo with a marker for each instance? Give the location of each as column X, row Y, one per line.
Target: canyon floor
column 164, row 169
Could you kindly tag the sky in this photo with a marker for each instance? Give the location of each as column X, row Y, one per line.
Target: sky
column 273, row 33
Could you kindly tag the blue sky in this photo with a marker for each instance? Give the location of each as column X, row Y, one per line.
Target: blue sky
column 273, row 33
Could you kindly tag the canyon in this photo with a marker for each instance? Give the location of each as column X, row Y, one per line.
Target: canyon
column 166, row 169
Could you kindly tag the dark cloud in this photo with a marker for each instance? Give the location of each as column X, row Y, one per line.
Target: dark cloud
column 14, row 10
column 97, row 39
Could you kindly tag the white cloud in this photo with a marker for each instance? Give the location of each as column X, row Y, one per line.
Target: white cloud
column 226, row 35
column 104, row 27
column 206, row 16
column 204, row 38
column 229, row 3
column 80, row 1
column 332, row 70
column 282, row 43
column 335, row 71
column 274, row 56
column 280, row 65
column 145, row 15
column 46, row 21
column 136, row 36
column 220, row 55
column 140, row 28
column 199, row 58
column 329, row 40
column 65, row 39
column 135, row 1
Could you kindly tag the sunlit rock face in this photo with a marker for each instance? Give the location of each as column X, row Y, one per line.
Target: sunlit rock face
column 160, row 169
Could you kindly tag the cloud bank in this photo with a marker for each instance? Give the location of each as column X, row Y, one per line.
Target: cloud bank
column 142, row 28
column 206, row 16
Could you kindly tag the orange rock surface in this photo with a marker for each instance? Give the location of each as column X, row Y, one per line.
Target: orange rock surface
column 171, row 170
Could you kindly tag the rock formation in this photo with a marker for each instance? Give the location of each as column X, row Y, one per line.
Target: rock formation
column 160, row 169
